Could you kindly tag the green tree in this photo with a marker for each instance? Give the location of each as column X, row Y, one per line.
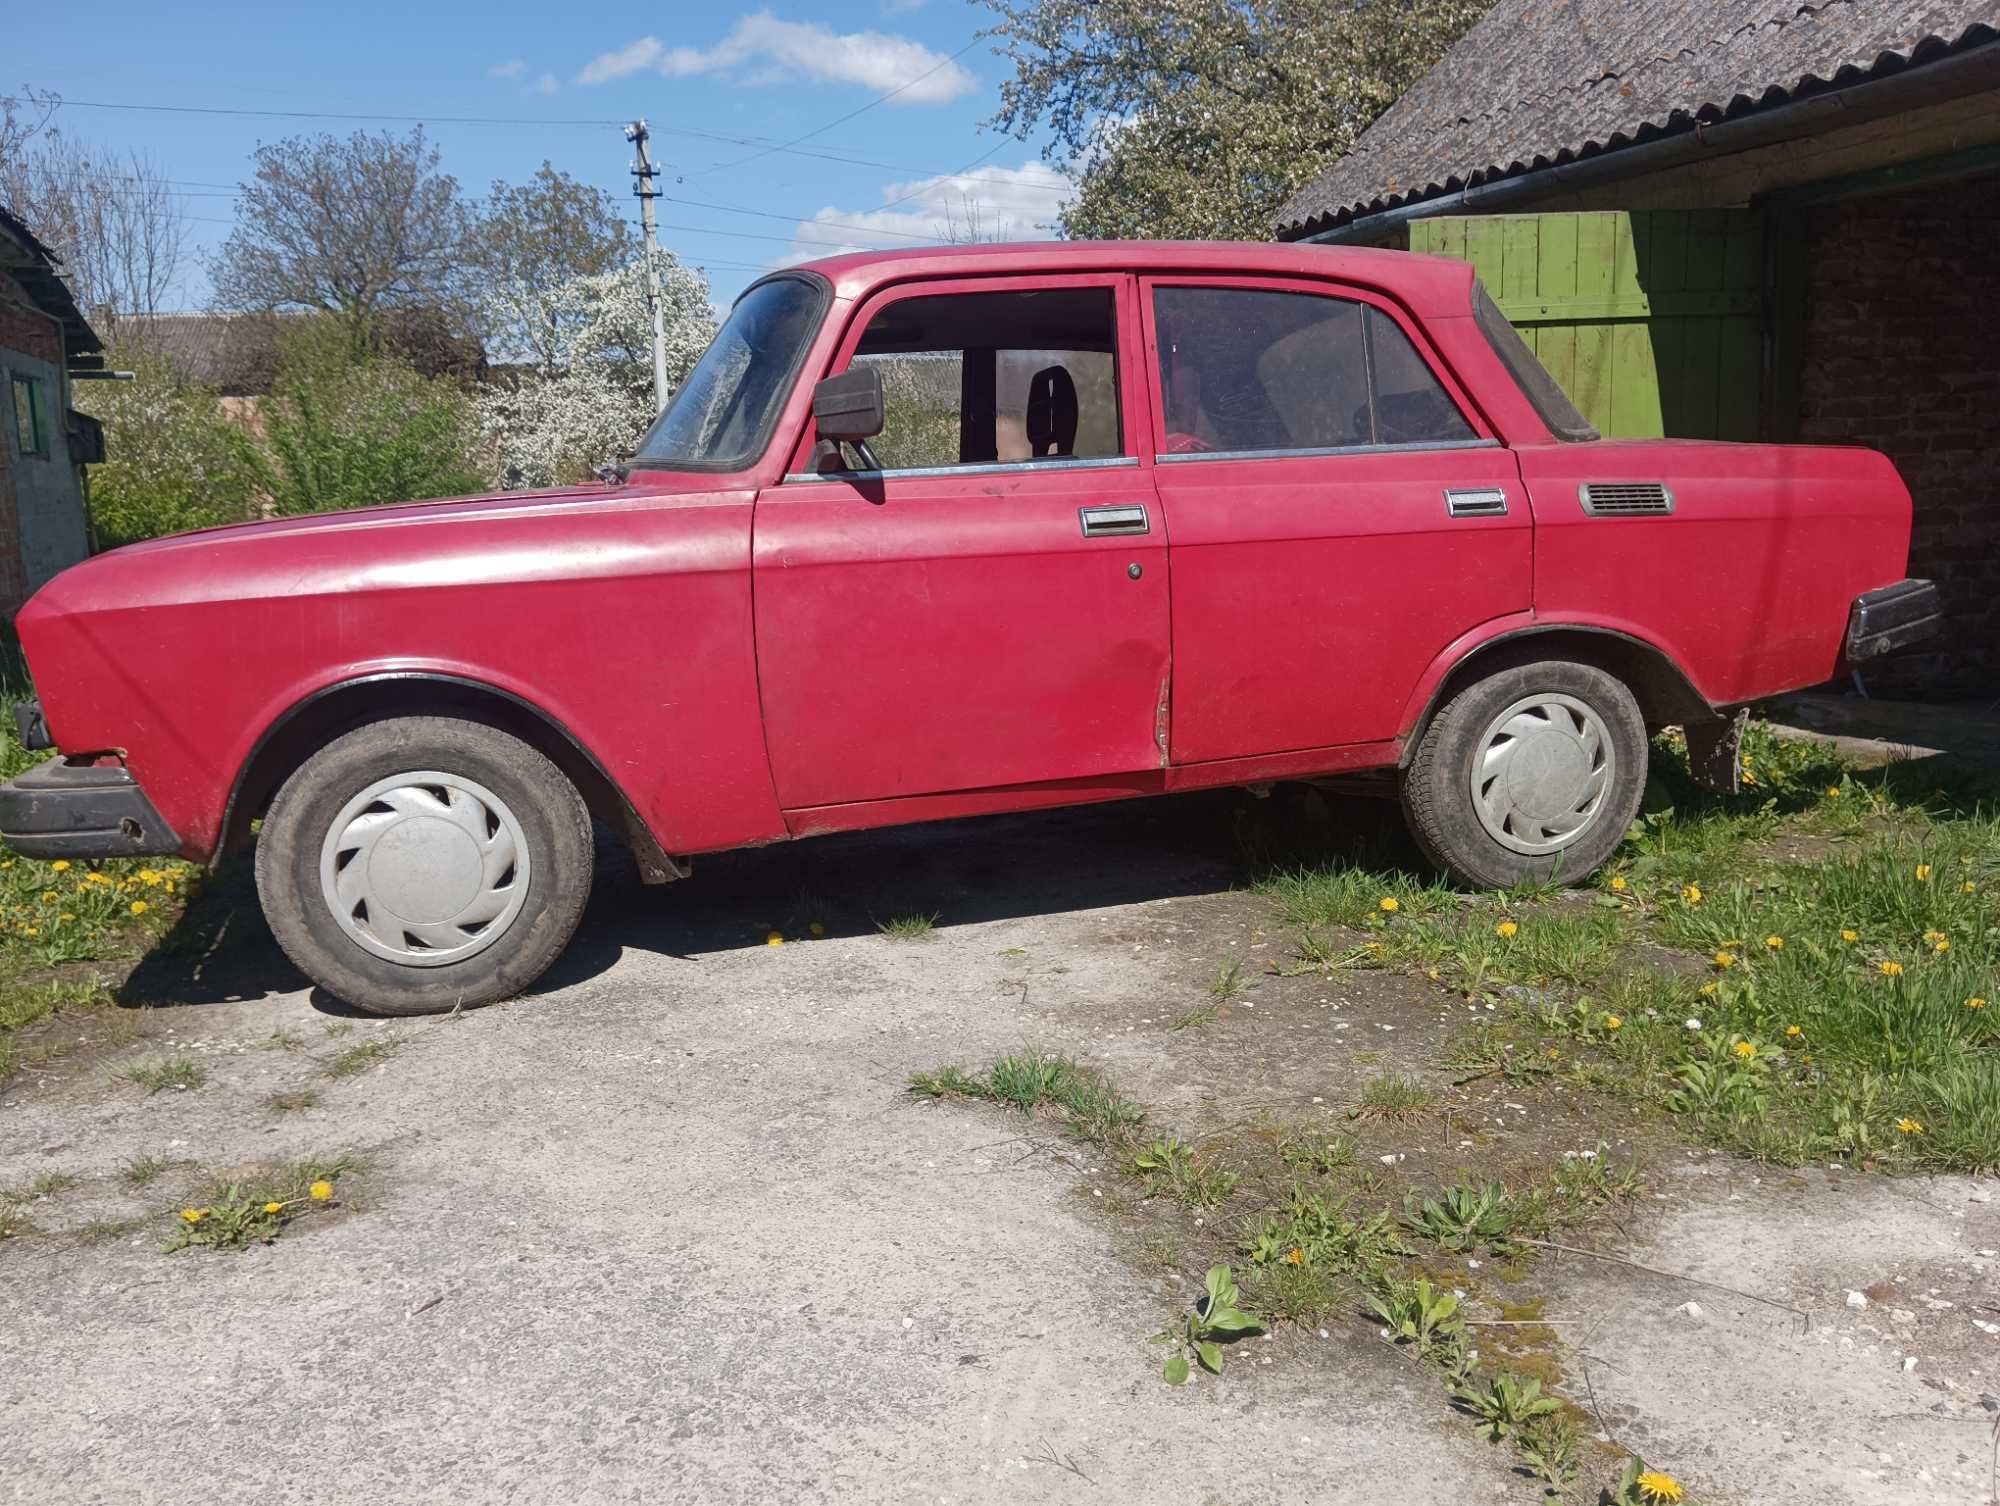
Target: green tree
column 1198, row 118
column 353, row 428
column 173, row 460
column 532, row 242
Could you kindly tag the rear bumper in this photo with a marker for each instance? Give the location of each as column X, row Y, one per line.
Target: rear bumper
column 61, row 809
column 1880, row 622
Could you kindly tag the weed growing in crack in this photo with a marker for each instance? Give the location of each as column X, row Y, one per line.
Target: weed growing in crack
column 1217, row 1319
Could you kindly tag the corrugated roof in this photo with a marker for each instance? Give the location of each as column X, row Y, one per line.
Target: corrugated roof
column 1543, row 84
column 36, row 268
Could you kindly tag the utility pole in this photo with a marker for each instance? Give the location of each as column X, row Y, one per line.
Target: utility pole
column 643, row 172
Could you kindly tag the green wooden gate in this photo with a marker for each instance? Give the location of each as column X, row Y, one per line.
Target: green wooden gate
column 1652, row 320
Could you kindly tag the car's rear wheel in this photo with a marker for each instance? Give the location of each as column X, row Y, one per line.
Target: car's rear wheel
column 1534, row 772
column 424, row 863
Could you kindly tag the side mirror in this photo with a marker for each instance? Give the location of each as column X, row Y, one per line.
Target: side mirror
column 850, row 406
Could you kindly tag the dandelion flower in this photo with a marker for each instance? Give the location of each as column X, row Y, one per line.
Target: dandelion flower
column 48, row 896
column 1295, row 1256
column 1934, row 936
column 1725, row 959
column 1620, row 885
column 1744, row 1050
column 776, row 938
column 1775, row 943
column 1850, row 935
column 139, row 907
column 1892, row 969
column 60, row 865
column 1655, row 1486
column 1554, row 1055
column 1941, row 946
column 1505, row 928
column 1975, row 1003
column 1908, row 1126
column 274, row 1207
column 1833, row 792
column 1612, row 1022
column 193, row 1215
column 1970, row 887
column 321, row 1191
column 1691, row 895
column 1709, row 990
column 1923, row 873
column 1389, row 905
column 1794, row 1031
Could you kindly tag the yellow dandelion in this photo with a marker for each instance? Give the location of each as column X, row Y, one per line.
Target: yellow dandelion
column 1833, row 792
column 139, row 907
column 193, row 1215
column 30, row 931
column 1295, row 1256
column 1656, row 1486
column 65, row 916
column 1725, row 959
column 1554, row 1055
column 1612, row 1022
column 1934, row 937
column 1793, row 1032
column 1970, row 887
column 1775, row 943
column 1850, row 935
column 1744, row 1050
column 60, row 865
column 1709, row 989
column 274, row 1207
column 1388, row 904
column 776, row 938
column 1620, row 885
column 1941, row 946
column 1505, row 928
column 1923, row 873
column 321, row 1191
column 48, row 896
column 1975, row 1003
column 1892, row 969
column 1908, row 1126
column 1691, row 895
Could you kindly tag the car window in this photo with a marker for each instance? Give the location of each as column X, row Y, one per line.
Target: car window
column 1249, row 369
column 975, row 378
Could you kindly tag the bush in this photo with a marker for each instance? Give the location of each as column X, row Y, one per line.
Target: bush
column 349, row 427
column 173, row 460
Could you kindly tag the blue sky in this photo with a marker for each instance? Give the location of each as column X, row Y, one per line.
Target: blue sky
column 745, row 103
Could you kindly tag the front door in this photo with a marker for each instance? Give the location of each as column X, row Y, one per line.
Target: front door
column 1339, row 513
column 986, row 606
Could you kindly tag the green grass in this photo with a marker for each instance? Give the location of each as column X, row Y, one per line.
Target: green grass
column 359, row 1058
column 1394, row 1095
column 909, row 927
column 1194, row 1019
column 179, row 1072
column 48, row 1184
column 142, row 1171
column 1228, row 980
column 1083, row 1100
column 293, row 1101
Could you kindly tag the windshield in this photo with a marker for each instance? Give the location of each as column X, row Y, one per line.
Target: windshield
column 722, row 414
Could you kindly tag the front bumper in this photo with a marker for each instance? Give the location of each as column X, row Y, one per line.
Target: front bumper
column 1880, row 622
column 61, row 809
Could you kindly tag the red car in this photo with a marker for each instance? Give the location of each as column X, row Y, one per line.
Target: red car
column 942, row 532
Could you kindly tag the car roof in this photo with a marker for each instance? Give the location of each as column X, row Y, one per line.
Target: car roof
column 1427, row 285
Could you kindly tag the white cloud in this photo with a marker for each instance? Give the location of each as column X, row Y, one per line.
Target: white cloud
column 512, row 68
column 545, row 84
column 897, row 7
column 761, row 49
column 988, row 204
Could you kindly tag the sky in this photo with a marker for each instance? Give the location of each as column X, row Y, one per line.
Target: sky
column 783, row 131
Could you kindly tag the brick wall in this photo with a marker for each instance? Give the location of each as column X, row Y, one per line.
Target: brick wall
column 1902, row 354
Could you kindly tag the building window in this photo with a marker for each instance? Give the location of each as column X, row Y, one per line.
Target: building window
column 31, row 423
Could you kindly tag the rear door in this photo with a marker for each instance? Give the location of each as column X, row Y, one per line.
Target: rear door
column 988, row 606
column 1339, row 512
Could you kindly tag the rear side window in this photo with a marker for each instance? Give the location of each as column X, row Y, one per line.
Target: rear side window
column 1533, row 378
column 1244, row 370
column 979, row 378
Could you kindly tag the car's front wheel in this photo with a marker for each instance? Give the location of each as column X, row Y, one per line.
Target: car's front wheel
column 1532, row 773
column 424, row 863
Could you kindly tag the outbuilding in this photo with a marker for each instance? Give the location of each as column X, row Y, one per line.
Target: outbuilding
column 1734, row 219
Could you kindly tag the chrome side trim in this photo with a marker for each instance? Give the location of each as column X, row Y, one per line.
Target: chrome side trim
column 983, row 468
column 1350, row 449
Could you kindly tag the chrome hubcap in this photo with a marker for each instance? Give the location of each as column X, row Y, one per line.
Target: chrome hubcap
column 1541, row 773
column 425, row 868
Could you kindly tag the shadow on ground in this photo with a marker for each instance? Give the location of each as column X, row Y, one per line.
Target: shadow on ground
column 961, row 872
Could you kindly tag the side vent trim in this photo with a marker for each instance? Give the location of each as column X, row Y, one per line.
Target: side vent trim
column 1625, row 499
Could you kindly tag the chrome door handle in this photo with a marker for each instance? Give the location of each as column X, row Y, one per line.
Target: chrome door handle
column 1100, row 522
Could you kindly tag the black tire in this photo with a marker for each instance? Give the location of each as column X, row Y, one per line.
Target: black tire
column 1437, row 785
column 552, row 820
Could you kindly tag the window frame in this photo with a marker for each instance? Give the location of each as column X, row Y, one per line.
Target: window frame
column 1135, row 419
column 35, row 414
column 1468, row 410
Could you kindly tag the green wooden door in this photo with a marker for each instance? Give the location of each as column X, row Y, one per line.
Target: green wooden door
column 1652, row 320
